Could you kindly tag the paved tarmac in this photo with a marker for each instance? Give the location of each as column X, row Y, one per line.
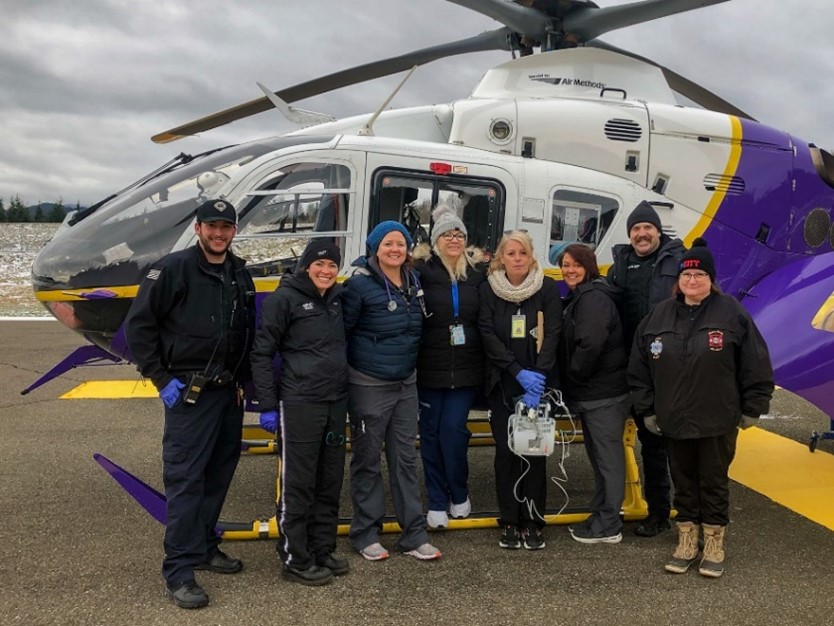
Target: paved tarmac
column 78, row 551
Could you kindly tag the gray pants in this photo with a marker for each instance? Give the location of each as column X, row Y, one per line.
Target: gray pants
column 384, row 414
column 603, row 422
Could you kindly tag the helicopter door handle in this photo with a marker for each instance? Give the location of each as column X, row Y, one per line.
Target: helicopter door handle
column 615, row 89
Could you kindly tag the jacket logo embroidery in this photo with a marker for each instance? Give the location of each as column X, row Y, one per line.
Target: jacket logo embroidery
column 154, row 274
column 307, row 306
column 656, row 347
column 715, row 339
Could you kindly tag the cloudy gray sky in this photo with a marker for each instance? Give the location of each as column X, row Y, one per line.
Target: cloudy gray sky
column 84, row 84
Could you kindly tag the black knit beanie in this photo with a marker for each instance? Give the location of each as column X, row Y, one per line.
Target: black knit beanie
column 698, row 257
column 643, row 212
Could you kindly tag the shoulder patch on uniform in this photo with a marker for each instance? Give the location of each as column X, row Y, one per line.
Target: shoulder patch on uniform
column 308, row 306
column 153, row 274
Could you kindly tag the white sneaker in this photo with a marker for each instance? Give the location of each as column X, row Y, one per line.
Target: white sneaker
column 374, row 552
column 426, row 552
column 459, row 511
column 437, row 519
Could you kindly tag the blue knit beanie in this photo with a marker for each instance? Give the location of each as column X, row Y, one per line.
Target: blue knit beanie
column 376, row 236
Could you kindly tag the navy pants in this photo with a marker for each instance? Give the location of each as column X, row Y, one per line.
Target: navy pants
column 312, row 470
column 444, row 444
column 516, row 499
column 200, row 451
column 656, row 484
column 700, row 469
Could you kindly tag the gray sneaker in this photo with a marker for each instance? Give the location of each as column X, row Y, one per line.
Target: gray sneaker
column 584, row 534
column 425, row 552
column 374, row 552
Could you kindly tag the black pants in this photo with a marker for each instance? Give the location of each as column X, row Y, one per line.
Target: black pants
column 312, row 469
column 200, row 451
column 656, row 484
column 508, row 469
column 700, row 470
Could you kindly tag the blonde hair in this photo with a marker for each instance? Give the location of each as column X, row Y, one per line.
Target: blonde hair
column 458, row 268
column 520, row 237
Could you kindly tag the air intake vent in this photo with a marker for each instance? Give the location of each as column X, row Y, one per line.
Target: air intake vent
column 623, row 130
column 816, row 227
column 731, row 185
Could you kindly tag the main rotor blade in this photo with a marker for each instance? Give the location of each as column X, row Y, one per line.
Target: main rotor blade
column 520, row 19
column 499, row 39
column 682, row 85
column 588, row 23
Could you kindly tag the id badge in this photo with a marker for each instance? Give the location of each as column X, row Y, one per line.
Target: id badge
column 518, row 330
column 456, row 335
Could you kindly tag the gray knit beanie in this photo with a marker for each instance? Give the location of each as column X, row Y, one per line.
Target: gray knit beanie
column 445, row 219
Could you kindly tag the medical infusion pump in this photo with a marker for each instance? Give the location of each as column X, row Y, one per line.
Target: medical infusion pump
column 532, row 431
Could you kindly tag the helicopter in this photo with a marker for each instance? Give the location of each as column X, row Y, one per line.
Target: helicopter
column 562, row 140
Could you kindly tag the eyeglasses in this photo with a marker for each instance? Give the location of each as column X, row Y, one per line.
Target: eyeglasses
column 699, row 276
column 450, row 236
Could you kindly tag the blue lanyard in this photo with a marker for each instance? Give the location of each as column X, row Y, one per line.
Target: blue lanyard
column 455, row 304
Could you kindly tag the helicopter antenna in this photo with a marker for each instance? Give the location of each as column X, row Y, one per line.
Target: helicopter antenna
column 294, row 114
column 368, row 129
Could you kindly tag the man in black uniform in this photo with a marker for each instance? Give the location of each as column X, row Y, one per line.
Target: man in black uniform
column 646, row 271
column 190, row 331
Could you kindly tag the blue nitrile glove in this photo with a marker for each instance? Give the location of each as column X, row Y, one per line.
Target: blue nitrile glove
column 651, row 424
column 269, row 421
column 531, row 381
column 747, row 421
column 171, row 392
column 532, row 399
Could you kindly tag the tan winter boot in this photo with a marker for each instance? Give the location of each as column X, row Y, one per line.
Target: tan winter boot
column 687, row 551
column 712, row 564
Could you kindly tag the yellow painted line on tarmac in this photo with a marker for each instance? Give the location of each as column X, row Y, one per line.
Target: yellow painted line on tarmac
column 786, row 472
column 111, row 390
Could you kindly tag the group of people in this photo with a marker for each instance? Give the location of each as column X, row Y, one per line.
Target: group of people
column 406, row 345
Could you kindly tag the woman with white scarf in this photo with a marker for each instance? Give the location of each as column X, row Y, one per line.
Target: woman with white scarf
column 520, row 322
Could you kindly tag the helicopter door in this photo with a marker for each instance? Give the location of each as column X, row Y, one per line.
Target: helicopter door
column 289, row 206
column 409, row 196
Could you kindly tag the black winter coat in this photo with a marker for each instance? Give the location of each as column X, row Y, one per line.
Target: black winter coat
column 506, row 356
column 592, row 356
column 699, row 368
column 186, row 319
column 441, row 365
column 663, row 280
column 382, row 343
column 308, row 331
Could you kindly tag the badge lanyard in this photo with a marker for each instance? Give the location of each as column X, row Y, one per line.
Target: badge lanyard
column 457, row 336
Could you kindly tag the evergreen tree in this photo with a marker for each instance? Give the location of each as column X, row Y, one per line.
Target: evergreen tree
column 39, row 214
column 58, row 212
column 17, row 212
column 2, row 211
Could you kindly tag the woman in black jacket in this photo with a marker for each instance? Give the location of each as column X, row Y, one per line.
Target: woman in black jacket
column 699, row 370
column 592, row 364
column 450, row 366
column 520, row 321
column 302, row 320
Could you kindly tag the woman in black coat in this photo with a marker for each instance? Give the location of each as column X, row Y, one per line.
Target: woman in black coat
column 450, row 366
column 520, row 321
column 592, row 364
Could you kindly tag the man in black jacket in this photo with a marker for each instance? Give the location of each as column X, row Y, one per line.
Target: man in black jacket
column 646, row 271
column 190, row 330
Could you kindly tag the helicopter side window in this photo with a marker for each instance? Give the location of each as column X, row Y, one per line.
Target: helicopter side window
column 410, row 199
column 302, row 201
column 579, row 217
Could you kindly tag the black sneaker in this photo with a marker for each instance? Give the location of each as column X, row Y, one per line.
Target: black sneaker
column 188, row 595
column 652, row 526
column 221, row 563
column 533, row 538
column 313, row 575
column 338, row 566
column 510, row 538
column 585, row 534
